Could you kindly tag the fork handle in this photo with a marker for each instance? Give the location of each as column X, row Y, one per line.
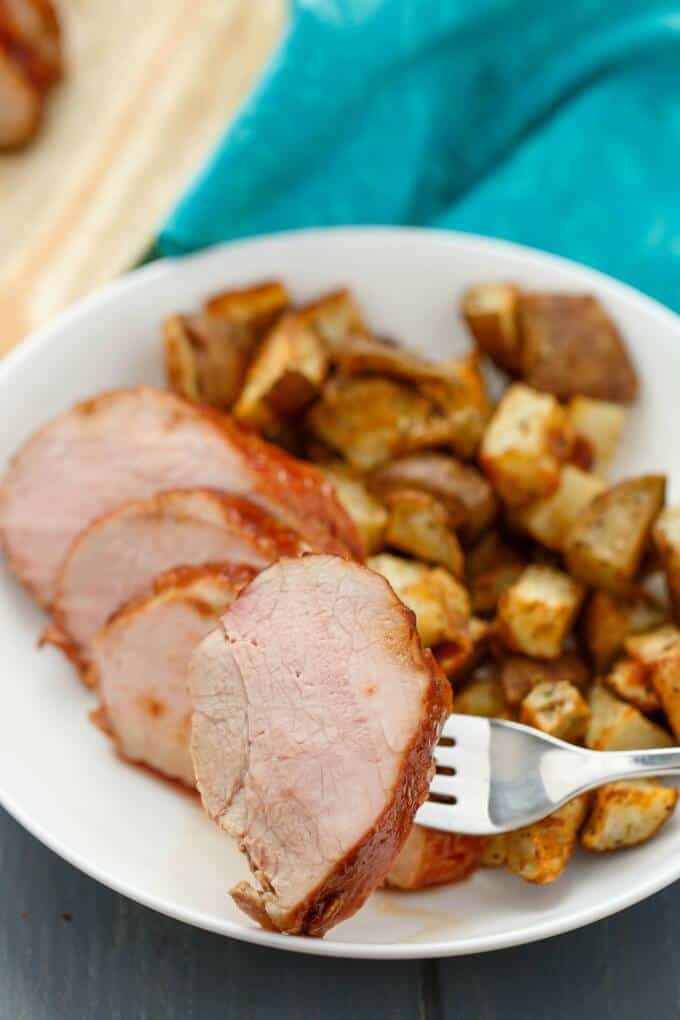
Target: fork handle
column 608, row 766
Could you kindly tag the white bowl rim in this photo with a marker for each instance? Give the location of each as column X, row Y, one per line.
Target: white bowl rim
column 328, row 947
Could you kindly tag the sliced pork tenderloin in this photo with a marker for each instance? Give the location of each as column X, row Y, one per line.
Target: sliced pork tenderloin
column 117, row 557
column 316, row 710
column 134, row 443
column 142, row 657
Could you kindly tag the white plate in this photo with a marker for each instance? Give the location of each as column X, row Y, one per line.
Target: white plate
column 58, row 775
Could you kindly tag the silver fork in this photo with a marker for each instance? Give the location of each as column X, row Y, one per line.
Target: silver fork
column 494, row 776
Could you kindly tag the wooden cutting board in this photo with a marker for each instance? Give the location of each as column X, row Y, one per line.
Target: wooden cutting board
column 148, row 91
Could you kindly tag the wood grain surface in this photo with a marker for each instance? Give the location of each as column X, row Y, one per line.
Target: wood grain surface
column 72, row 950
column 149, row 89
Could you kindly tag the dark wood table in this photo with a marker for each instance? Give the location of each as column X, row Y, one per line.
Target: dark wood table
column 72, row 950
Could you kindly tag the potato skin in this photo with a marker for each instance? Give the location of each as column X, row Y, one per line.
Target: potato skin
column 605, row 545
column 570, row 346
column 462, row 489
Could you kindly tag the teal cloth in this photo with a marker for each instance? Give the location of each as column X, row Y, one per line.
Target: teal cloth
column 556, row 124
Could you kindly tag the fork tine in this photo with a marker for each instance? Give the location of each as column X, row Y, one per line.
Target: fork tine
column 445, row 785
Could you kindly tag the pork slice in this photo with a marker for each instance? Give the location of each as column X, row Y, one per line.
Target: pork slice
column 131, row 444
column 142, row 656
column 117, row 557
column 316, row 710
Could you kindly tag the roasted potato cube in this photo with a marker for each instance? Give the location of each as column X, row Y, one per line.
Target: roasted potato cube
column 570, row 346
column 440, row 603
column 368, row 421
column 458, row 657
column 608, row 619
column 368, row 514
column 482, row 695
column 653, row 646
column 617, row 726
column 607, row 540
column 462, row 489
column 536, row 613
column 181, row 369
column 665, row 679
column 255, row 307
column 666, row 535
column 495, row 853
column 630, row 680
column 334, row 318
column 490, row 310
column 600, row 424
column 519, row 674
column 492, row 566
column 557, row 709
column 419, row 524
column 540, row 852
column 627, row 813
column 549, row 520
column 285, row 375
column 524, row 445
column 366, row 355
column 207, row 358
column 460, row 395
column 429, row 857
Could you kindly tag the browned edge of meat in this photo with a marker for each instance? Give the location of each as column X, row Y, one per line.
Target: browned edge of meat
column 272, row 539
column 306, row 500
column 344, row 890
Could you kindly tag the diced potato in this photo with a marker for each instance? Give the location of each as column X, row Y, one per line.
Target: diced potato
column 557, row 709
column 600, row 423
column 492, row 566
column 463, row 489
column 440, row 603
column 495, row 853
column 630, row 681
column 460, row 395
column 519, row 674
column 548, row 520
column 524, row 445
column 458, row 657
column 207, row 358
column 419, row 524
column 536, row 613
column 334, row 318
column 490, row 310
column 369, row 421
column 180, row 364
column 627, row 813
column 366, row 355
column 540, row 852
column 285, row 375
column 666, row 534
column 665, row 680
column 570, row 346
column 604, row 547
column 430, row 857
column 617, row 726
column 654, row 645
column 482, row 695
column 369, row 515
column 255, row 307
column 608, row 619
